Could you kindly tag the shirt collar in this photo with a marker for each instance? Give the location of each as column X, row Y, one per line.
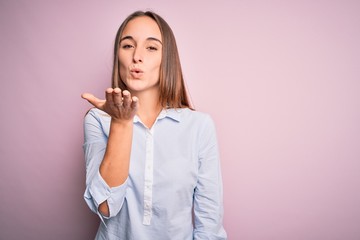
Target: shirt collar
column 173, row 113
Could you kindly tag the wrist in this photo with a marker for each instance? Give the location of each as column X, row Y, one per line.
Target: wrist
column 121, row 122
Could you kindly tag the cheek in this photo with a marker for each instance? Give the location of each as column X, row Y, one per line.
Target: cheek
column 157, row 63
column 123, row 58
column 122, row 70
column 122, row 66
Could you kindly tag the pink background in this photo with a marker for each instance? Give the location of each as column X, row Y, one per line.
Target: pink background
column 280, row 78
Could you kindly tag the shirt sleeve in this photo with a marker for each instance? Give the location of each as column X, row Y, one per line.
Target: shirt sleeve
column 97, row 190
column 208, row 196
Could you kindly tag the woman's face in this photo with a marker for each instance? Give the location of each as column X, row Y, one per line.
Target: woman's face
column 140, row 53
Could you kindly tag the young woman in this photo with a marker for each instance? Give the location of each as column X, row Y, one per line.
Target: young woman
column 152, row 163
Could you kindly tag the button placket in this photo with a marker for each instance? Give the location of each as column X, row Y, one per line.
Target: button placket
column 148, row 177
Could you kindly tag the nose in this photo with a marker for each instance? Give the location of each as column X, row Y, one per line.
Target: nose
column 138, row 55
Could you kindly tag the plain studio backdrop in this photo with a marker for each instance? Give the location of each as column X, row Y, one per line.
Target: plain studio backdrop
column 281, row 80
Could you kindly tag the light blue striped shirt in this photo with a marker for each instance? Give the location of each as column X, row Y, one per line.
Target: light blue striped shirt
column 174, row 188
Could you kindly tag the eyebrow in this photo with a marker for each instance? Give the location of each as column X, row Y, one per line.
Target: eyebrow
column 148, row 39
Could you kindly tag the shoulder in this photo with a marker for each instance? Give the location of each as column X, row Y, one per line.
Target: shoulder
column 202, row 125
column 195, row 119
column 193, row 115
column 95, row 114
column 96, row 124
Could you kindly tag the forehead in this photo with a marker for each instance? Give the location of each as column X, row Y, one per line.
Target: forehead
column 142, row 28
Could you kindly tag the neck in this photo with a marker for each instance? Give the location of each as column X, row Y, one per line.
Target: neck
column 149, row 107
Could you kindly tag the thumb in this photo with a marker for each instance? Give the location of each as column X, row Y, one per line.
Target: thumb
column 96, row 102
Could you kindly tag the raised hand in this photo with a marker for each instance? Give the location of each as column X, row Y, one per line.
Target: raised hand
column 118, row 104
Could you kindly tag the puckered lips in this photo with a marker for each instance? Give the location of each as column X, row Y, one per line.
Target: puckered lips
column 136, row 73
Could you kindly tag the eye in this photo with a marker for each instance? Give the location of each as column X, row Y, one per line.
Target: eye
column 127, row 46
column 152, row 48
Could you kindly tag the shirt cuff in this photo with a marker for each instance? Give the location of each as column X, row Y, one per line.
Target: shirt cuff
column 100, row 192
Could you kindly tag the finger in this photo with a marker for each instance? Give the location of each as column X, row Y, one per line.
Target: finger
column 127, row 99
column 96, row 102
column 117, row 97
column 108, row 96
column 135, row 103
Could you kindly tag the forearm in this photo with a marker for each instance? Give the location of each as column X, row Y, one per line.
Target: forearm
column 115, row 166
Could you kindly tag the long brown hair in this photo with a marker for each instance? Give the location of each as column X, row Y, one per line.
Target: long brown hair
column 173, row 93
